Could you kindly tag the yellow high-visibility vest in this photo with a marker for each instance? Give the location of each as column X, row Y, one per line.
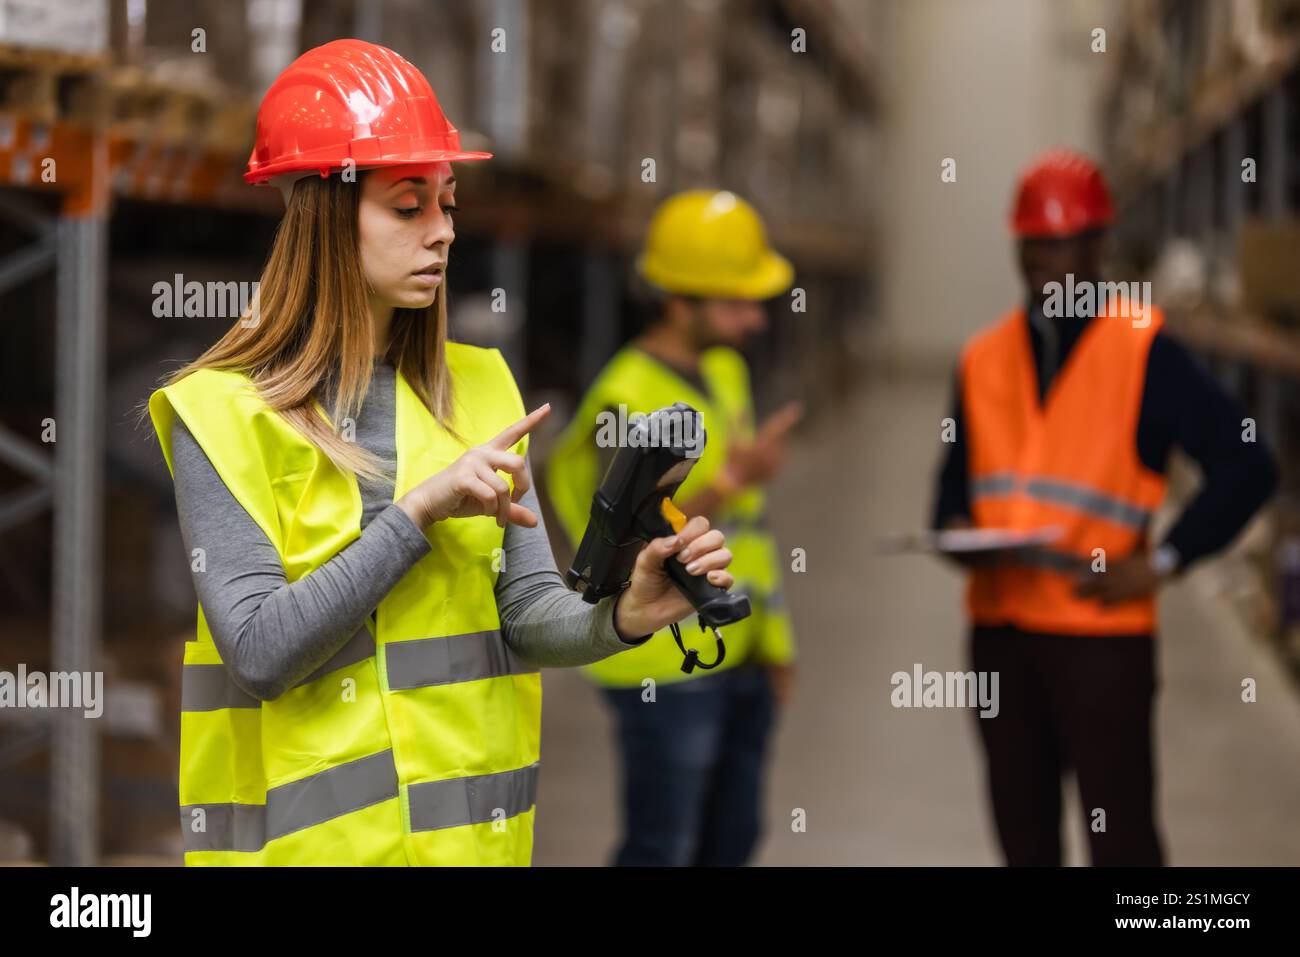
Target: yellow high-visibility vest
column 642, row 383
column 418, row 742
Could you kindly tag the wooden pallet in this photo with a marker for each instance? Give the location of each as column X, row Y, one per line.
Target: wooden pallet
column 155, row 140
column 59, row 61
column 49, row 85
column 147, row 109
column 131, row 102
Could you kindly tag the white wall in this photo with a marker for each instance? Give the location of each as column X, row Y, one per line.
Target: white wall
column 988, row 83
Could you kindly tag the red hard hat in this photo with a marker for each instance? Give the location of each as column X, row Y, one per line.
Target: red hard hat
column 1060, row 194
column 350, row 99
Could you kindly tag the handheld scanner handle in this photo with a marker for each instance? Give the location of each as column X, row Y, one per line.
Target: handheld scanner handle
column 715, row 606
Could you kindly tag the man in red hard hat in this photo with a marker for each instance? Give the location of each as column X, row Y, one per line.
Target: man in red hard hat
column 1064, row 415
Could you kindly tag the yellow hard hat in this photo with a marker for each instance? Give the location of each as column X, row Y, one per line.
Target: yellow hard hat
column 712, row 244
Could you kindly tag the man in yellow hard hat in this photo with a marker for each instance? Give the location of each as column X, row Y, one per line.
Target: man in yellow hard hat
column 693, row 746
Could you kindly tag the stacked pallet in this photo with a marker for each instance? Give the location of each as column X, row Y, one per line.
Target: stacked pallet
column 1200, row 126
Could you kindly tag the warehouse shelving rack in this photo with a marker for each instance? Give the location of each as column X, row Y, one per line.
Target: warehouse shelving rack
column 57, row 109
column 113, row 134
column 1181, row 177
column 71, row 478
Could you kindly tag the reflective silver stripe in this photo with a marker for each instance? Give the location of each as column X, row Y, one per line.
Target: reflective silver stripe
column 1087, row 500
column 210, row 687
column 742, row 523
column 423, row 662
column 1059, row 492
column 227, row 827
column 327, row 794
column 996, row 483
column 454, row 802
column 291, row 807
column 359, row 647
column 766, row 600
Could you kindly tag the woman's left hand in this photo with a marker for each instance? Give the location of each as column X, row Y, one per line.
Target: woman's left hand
column 651, row 601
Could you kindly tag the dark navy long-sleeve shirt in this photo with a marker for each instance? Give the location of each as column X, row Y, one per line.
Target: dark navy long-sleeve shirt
column 1181, row 406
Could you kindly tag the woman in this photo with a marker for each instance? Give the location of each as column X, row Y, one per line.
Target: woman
column 376, row 589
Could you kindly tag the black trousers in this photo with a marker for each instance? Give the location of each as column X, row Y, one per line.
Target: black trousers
column 1071, row 702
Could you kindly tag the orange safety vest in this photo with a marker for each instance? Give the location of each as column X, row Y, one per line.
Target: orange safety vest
column 1070, row 462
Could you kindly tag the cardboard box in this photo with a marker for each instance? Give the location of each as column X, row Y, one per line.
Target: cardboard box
column 1270, row 282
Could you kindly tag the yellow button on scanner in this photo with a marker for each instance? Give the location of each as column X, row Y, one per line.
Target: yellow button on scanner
column 674, row 515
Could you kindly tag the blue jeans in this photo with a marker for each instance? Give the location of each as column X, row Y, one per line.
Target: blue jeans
column 693, row 769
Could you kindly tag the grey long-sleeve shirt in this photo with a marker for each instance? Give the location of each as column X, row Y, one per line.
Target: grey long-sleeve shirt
column 271, row 633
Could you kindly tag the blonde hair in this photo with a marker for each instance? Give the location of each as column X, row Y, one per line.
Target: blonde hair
column 313, row 324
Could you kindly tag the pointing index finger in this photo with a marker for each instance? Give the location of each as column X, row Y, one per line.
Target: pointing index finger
column 783, row 420
column 513, row 433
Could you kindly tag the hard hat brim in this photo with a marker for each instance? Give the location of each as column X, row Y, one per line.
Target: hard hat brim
column 1041, row 231
column 773, row 276
column 262, row 176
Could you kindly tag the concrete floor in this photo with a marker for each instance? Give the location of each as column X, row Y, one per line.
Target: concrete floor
column 886, row 786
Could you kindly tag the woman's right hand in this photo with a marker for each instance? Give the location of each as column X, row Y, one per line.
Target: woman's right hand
column 470, row 486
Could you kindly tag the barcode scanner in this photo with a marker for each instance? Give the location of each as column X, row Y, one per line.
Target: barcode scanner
column 634, row 504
